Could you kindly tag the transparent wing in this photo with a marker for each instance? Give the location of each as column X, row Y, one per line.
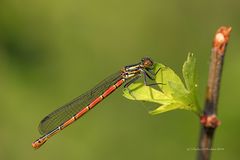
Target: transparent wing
column 62, row 114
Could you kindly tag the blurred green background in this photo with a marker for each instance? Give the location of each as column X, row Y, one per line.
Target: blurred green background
column 52, row 51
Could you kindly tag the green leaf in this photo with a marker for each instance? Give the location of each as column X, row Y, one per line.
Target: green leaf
column 166, row 76
column 189, row 72
column 172, row 93
column 139, row 91
column 166, row 108
column 190, row 78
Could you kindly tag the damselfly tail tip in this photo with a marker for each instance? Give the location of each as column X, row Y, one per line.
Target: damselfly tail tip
column 35, row 145
column 38, row 143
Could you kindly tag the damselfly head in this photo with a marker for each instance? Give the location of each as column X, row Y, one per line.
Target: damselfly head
column 147, row 62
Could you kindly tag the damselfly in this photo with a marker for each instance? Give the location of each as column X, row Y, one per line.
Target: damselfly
column 70, row 112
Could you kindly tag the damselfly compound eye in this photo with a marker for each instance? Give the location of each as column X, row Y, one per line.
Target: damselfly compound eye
column 147, row 62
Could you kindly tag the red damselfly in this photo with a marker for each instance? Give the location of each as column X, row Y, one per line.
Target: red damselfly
column 70, row 112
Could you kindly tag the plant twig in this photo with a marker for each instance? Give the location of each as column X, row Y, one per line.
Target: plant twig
column 209, row 121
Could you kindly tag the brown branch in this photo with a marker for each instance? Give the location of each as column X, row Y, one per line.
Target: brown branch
column 209, row 121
